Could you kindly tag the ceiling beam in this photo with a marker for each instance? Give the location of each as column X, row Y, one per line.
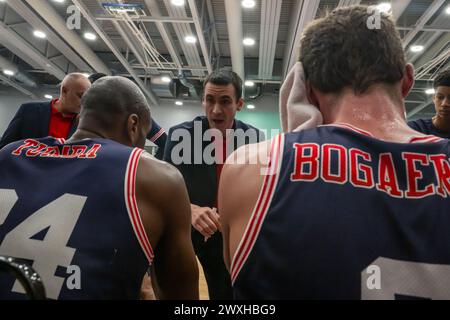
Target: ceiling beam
column 91, row 20
column 105, row 17
column 429, row 13
column 53, row 19
column 418, row 108
column 212, row 20
column 120, row 26
column 152, row 6
column 27, row 13
column 190, row 50
column 233, row 11
column 201, row 37
column 18, row 87
column 303, row 12
column 425, row 29
column 5, row 64
column 399, row 7
column 270, row 21
column 346, row 3
column 430, row 41
column 16, row 44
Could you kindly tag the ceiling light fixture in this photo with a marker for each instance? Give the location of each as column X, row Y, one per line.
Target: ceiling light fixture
column 417, row 48
column 39, row 34
column 248, row 41
column 190, row 39
column 430, row 91
column 8, row 72
column 251, row 107
column 178, row 3
column 179, row 103
column 249, row 83
column 248, row 3
column 90, row 36
column 166, row 79
column 384, row 7
column 48, row 96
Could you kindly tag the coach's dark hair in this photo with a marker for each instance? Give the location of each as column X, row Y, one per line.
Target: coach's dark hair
column 442, row 79
column 95, row 76
column 224, row 77
column 343, row 50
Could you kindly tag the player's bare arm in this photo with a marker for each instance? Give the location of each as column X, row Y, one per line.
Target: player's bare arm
column 239, row 188
column 165, row 210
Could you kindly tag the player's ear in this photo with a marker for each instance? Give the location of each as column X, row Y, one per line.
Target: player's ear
column 311, row 94
column 407, row 80
column 64, row 90
column 240, row 104
column 133, row 128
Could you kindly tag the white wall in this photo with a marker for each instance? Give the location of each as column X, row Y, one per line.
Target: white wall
column 10, row 102
column 168, row 114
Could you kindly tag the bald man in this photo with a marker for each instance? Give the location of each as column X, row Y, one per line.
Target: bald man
column 107, row 210
column 56, row 118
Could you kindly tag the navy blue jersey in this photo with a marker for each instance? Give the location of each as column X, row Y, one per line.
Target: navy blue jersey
column 155, row 133
column 347, row 216
column 71, row 211
column 426, row 126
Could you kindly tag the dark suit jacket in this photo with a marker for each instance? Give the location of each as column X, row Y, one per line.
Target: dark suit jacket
column 158, row 136
column 201, row 179
column 31, row 121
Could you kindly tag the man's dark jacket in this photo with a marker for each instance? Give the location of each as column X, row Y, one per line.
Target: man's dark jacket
column 32, row 120
column 201, row 182
column 201, row 179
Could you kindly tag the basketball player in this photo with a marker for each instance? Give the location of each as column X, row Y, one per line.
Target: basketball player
column 439, row 125
column 91, row 213
column 356, row 208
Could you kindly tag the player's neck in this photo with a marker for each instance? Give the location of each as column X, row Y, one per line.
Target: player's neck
column 82, row 134
column 441, row 124
column 377, row 113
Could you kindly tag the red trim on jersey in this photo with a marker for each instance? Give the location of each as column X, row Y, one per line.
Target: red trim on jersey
column 131, row 204
column 262, row 205
column 157, row 135
column 426, row 139
column 353, row 128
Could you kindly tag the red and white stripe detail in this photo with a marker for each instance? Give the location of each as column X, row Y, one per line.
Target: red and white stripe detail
column 157, row 135
column 131, row 204
column 261, row 208
column 426, row 139
column 61, row 140
column 350, row 127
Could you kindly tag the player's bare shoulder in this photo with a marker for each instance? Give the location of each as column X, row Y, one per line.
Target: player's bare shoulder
column 157, row 174
column 250, row 157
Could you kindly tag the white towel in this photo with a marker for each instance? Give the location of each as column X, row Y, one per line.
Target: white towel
column 296, row 112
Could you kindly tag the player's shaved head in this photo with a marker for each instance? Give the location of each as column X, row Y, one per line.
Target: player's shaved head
column 113, row 98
